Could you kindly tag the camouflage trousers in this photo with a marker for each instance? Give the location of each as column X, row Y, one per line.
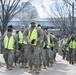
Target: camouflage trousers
column 42, row 56
column 8, row 57
column 53, row 55
column 67, row 55
column 23, row 54
column 72, row 53
column 48, row 55
column 33, row 56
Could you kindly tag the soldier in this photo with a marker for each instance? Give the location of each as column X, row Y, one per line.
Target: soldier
column 10, row 27
column 33, row 36
column 42, row 53
column 10, row 43
column 67, row 52
column 44, row 47
column 22, row 48
column 54, row 47
column 64, row 40
column 72, row 49
column 48, row 47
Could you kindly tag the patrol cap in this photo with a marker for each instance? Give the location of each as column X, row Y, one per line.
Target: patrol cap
column 33, row 23
column 23, row 26
column 45, row 29
column 73, row 35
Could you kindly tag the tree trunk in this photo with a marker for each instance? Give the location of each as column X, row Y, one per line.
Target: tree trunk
column 2, row 33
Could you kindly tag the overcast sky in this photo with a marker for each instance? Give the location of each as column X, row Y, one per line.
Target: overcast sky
column 42, row 14
column 39, row 8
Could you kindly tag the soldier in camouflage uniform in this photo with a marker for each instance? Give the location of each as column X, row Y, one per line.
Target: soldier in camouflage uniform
column 72, row 49
column 42, row 52
column 10, row 44
column 33, row 36
column 47, row 47
column 22, row 54
column 55, row 47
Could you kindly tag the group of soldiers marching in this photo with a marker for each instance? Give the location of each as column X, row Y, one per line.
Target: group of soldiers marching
column 31, row 47
column 68, row 46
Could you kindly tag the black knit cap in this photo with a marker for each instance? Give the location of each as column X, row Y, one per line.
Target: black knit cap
column 39, row 25
column 10, row 26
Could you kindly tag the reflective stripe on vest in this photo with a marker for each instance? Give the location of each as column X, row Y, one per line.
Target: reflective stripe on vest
column 33, row 35
column 49, row 43
column 21, row 40
column 44, row 44
column 64, row 41
column 9, row 42
column 67, row 49
column 72, row 44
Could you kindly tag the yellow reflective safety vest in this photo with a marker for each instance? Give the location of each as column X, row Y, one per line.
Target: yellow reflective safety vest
column 21, row 39
column 9, row 42
column 33, row 35
column 72, row 44
column 49, row 43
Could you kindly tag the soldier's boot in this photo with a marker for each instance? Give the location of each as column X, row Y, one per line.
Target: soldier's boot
column 9, row 67
column 39, row 69
column 22, row 65
column 25, row 65
column 36, row 70
column 72, row 63
column 54, row 60
column 31, row 70
column 12, row 66
column 51, row 63
column 44, row 66
column 47, row 64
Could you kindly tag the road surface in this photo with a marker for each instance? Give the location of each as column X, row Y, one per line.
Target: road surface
column 60, row 67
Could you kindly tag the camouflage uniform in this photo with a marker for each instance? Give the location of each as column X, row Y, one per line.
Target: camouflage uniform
column 43, row 50
column 22, row 50
column 33, row 50
column 48, row 51
column 72, row 49
column 9, row 54
column 55, row 47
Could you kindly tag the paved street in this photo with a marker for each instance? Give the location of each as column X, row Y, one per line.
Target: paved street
column 61, row 67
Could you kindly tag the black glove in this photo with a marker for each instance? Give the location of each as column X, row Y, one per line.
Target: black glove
column 32, row 42
column 52, row 48
column 45, row 47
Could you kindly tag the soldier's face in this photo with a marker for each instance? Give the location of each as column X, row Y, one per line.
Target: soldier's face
column 33, row 25
column 9, row 33
column 23, row 29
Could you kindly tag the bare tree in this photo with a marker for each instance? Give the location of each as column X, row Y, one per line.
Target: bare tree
column 62, row 18
column 9, row 9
